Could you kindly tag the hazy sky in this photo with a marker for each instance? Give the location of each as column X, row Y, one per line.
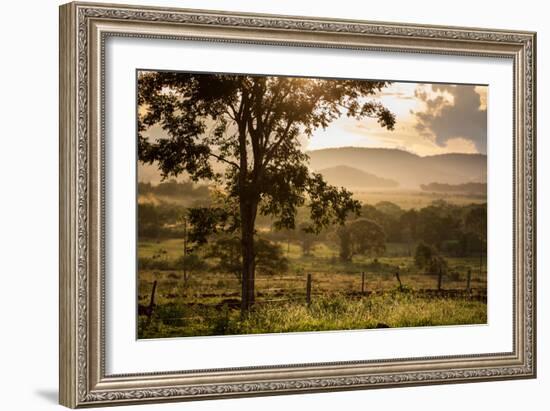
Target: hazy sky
column 431, row 119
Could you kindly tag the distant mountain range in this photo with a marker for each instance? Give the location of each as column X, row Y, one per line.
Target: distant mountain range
column 352, row 177
column 383, row 167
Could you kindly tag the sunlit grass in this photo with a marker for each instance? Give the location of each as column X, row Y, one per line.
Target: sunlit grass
column 336, row 312
column 207, row 304
column 409, row 199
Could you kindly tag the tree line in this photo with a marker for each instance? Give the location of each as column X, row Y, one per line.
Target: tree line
column 448, row 229
column 174, row 188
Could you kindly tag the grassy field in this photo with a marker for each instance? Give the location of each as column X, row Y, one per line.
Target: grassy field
column 326, row 312
column 207, row 304
column 405, row 198
column 409, row 199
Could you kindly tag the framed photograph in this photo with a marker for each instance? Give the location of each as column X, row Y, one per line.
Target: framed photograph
column 257, row 204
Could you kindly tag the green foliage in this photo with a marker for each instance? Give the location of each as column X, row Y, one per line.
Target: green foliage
column 389, row 208
column 437, row 265
column 437, row 223
column 346, row 245
column 306, row 238
column 475, row 236
column 208, row 305
column 191, row 263
column 408, row 223
column 423, row 255
column 227, row 250
column 361, row 236
column 387, row 215
column 242, row 134
column 207, row 221
column 251, row 126
column 173, row 188
column 334, row 312
column 328, row 204
column 269, row 114
column 222, row 322
column 171, row 314
column 270, row 258
column 427, row 258
column 159, row 221
column 403, row 289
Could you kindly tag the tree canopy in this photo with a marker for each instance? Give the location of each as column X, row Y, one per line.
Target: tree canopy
column 227, row 250
column 252, row 125
column 361, row 236
column 244, row 133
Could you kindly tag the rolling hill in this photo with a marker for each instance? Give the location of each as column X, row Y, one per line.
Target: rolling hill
column 351, row 177
column 407, row 169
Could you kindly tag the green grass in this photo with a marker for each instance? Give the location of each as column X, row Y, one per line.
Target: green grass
column 208, row 303
column 408, row 199
column 171, row 248
column 334, row 312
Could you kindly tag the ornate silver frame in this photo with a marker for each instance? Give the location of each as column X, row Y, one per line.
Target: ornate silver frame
column 83, row 30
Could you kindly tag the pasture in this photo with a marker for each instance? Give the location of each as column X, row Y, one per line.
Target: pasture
column 411, row 199
column 207, row 303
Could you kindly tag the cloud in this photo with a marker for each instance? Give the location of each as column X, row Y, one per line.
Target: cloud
column 462, row 116
column 397, row 94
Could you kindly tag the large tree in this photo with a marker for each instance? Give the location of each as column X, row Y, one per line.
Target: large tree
column 252, row 125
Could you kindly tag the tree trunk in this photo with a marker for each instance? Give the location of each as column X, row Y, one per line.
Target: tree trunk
column 248, row 218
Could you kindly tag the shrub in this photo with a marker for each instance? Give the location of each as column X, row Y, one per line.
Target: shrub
column 423, row 255
column 170, row 314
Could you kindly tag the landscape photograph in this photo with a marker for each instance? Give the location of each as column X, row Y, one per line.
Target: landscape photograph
column 274, row 204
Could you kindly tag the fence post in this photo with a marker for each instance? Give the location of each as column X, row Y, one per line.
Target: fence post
column 308, row 290
column 469, row 280
column 148, row 310
column 363, row 282
column 152, row 301
column 439, row 279
column 399, row 280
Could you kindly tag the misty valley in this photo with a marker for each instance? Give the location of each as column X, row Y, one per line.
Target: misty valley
column 271, row 204
column 422, row 262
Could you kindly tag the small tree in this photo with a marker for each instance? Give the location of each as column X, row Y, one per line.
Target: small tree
column 191, row 263
column 434, row 264
column 361, row 236
column 437, row 265
column 346, row 249
column 306, row 238
column 227, row 249
column 270, row 257
column 423, row 255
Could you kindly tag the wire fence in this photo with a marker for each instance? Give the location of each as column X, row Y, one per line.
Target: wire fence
column 306, row 287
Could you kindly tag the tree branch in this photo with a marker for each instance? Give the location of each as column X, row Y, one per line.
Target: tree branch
column 271, row 114
column 224, row 160
column 276, row 145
